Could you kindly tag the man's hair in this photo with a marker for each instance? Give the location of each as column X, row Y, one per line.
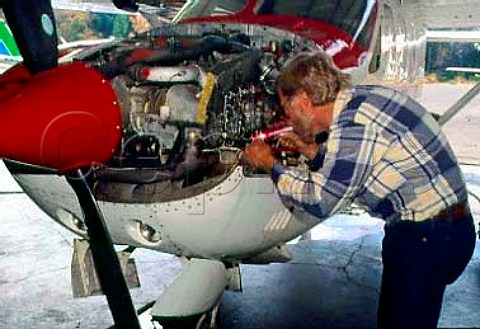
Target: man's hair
column 316, row 74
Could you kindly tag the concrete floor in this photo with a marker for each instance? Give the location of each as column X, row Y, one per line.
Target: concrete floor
column 332, row 282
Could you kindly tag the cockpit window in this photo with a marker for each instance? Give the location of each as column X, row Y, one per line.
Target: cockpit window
column 201, row 8
column 356, row 17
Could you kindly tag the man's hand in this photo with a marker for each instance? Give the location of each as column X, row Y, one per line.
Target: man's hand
column 260, row 155
column 293, row 141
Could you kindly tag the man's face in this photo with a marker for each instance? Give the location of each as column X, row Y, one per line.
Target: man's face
column 300, row 115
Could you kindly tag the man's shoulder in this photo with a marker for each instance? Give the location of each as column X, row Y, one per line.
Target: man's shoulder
column 381, row 108
column 385, row 100
column 362, row 104
column 378, row 93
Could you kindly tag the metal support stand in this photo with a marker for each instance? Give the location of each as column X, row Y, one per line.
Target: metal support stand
column 104, row 255
column 459, row 105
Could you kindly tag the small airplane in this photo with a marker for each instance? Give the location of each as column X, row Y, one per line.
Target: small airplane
column 192, row 94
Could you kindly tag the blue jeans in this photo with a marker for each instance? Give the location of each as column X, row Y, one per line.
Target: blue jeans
column 419, row 260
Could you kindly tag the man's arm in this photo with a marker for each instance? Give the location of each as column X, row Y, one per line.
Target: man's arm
column 293, row 141
column 348, row 162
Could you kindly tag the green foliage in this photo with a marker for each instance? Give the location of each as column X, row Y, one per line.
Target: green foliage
column 475, row 78
column 75, row 26
column 121, row 26
column 102, row 24
column 108, row 25
column 441, row 55
column 76, row 30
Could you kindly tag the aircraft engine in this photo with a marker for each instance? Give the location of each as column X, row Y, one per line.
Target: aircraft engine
column 191, row 100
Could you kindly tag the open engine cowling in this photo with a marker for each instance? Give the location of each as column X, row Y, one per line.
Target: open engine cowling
column 191, row 100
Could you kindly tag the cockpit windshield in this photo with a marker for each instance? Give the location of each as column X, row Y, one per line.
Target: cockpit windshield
column 350, row 16
column 355, row 17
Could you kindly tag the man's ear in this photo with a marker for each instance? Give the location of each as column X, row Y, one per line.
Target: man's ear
column 305, row 100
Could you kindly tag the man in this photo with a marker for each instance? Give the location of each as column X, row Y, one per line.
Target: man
column 387, row 153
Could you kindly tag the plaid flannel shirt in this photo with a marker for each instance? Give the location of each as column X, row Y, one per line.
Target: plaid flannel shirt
column 386, row 153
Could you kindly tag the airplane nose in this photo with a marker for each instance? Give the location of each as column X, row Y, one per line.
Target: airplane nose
column 64, row 118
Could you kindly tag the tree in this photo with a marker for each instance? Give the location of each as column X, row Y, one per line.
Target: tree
column 74, row 25
column 451, row 54
column 102, row 23
column 121, row 26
